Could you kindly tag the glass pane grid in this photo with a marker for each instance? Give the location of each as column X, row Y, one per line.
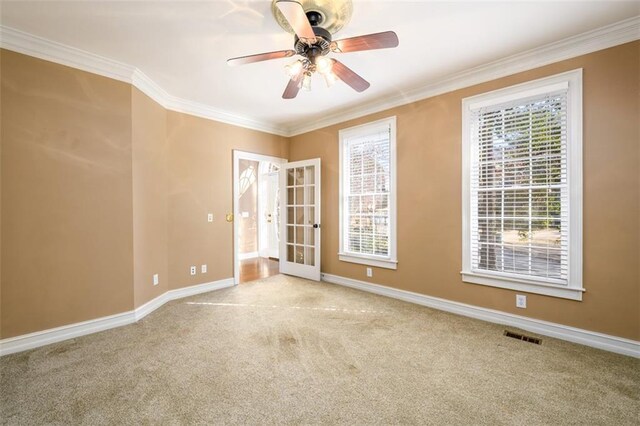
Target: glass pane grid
column 519, row 189
column 300, row 235
column 367, row 212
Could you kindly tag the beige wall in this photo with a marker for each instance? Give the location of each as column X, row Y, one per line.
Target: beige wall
column 429, row 198
column 150, row 186
column 88, row 163
column 248, row 202
column 102, row 188
column 200, row 182
column 66, row 195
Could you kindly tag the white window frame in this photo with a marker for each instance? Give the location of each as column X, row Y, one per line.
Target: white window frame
column 573, row 290
column 390, row 261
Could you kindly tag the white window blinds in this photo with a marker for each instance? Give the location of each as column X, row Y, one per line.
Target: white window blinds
column 519, row 188
column 366, row 193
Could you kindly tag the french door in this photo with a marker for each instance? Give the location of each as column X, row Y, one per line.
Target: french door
column 300, row 219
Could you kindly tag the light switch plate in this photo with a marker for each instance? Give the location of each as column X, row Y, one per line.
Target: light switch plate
column 210, row 217
column 156, row 280
column 203, row 269
column 521, row 301
column 369, row 272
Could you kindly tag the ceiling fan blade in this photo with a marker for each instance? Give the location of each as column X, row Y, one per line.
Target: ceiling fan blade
column 297, row 18
column 241, row 60
column 366, row 42
column 345, row 74
column 293, row 87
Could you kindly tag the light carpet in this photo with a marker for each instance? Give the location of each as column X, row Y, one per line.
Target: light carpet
column 289, row 351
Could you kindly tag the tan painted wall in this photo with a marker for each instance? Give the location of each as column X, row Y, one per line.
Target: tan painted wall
column 200, row 182
column 248, row 202
column 429, row 198
column 150, row 185
column 80, row 200
column 66, row 196
column 101, row 188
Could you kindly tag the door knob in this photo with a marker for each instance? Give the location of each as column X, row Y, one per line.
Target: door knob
column 316, row 225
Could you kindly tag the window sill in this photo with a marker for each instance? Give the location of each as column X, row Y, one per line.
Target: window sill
column 526, row 286
column 366, row 260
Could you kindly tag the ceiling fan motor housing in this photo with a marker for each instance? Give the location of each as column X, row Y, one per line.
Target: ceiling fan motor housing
column 320, row 48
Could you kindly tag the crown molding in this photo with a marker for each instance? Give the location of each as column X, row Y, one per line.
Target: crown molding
column 29, row 44
column 205, row 111
column 602, row 38
column 591, row 41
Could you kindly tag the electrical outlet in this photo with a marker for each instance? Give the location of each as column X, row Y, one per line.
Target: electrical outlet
column 193, row 270
column 521, row 301
column 156, row 280
column 203, row 269
column 369, row 272
column 210, row 217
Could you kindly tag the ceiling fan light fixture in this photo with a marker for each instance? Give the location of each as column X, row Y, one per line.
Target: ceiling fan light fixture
column 294, row 68
column 306, row 82
column 323, row 65
column 330, row 78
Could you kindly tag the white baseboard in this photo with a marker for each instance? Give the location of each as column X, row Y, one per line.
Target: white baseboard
column 245, row 256
column 545, row 328
column 153, row 304
column 71, row 331
column 58, row 334
column 200, row 288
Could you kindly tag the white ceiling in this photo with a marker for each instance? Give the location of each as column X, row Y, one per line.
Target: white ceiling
column 183, row 45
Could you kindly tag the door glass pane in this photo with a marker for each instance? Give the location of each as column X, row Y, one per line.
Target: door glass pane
column 310, row 192
column 290, row 255
column 310, row 177
column 299, row 234
column 290, row 235
column 299, row 254
column 300, row 176
column 310, row 237
column 300, row 215
column 290, row 180
column 300, row 195
column 310, row 256
column 310, row 215
column 290, row 215
column 290, row 194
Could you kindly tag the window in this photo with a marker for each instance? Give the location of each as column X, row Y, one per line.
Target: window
column 368, row 194
column 522, row 187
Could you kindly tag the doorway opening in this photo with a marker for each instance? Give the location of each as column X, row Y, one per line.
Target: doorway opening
column 256, row 216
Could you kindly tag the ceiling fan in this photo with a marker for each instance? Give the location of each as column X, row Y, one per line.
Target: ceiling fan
column 313, row 22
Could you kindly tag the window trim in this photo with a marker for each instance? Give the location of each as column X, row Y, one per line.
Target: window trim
column 391, row 261
column 572, row 80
